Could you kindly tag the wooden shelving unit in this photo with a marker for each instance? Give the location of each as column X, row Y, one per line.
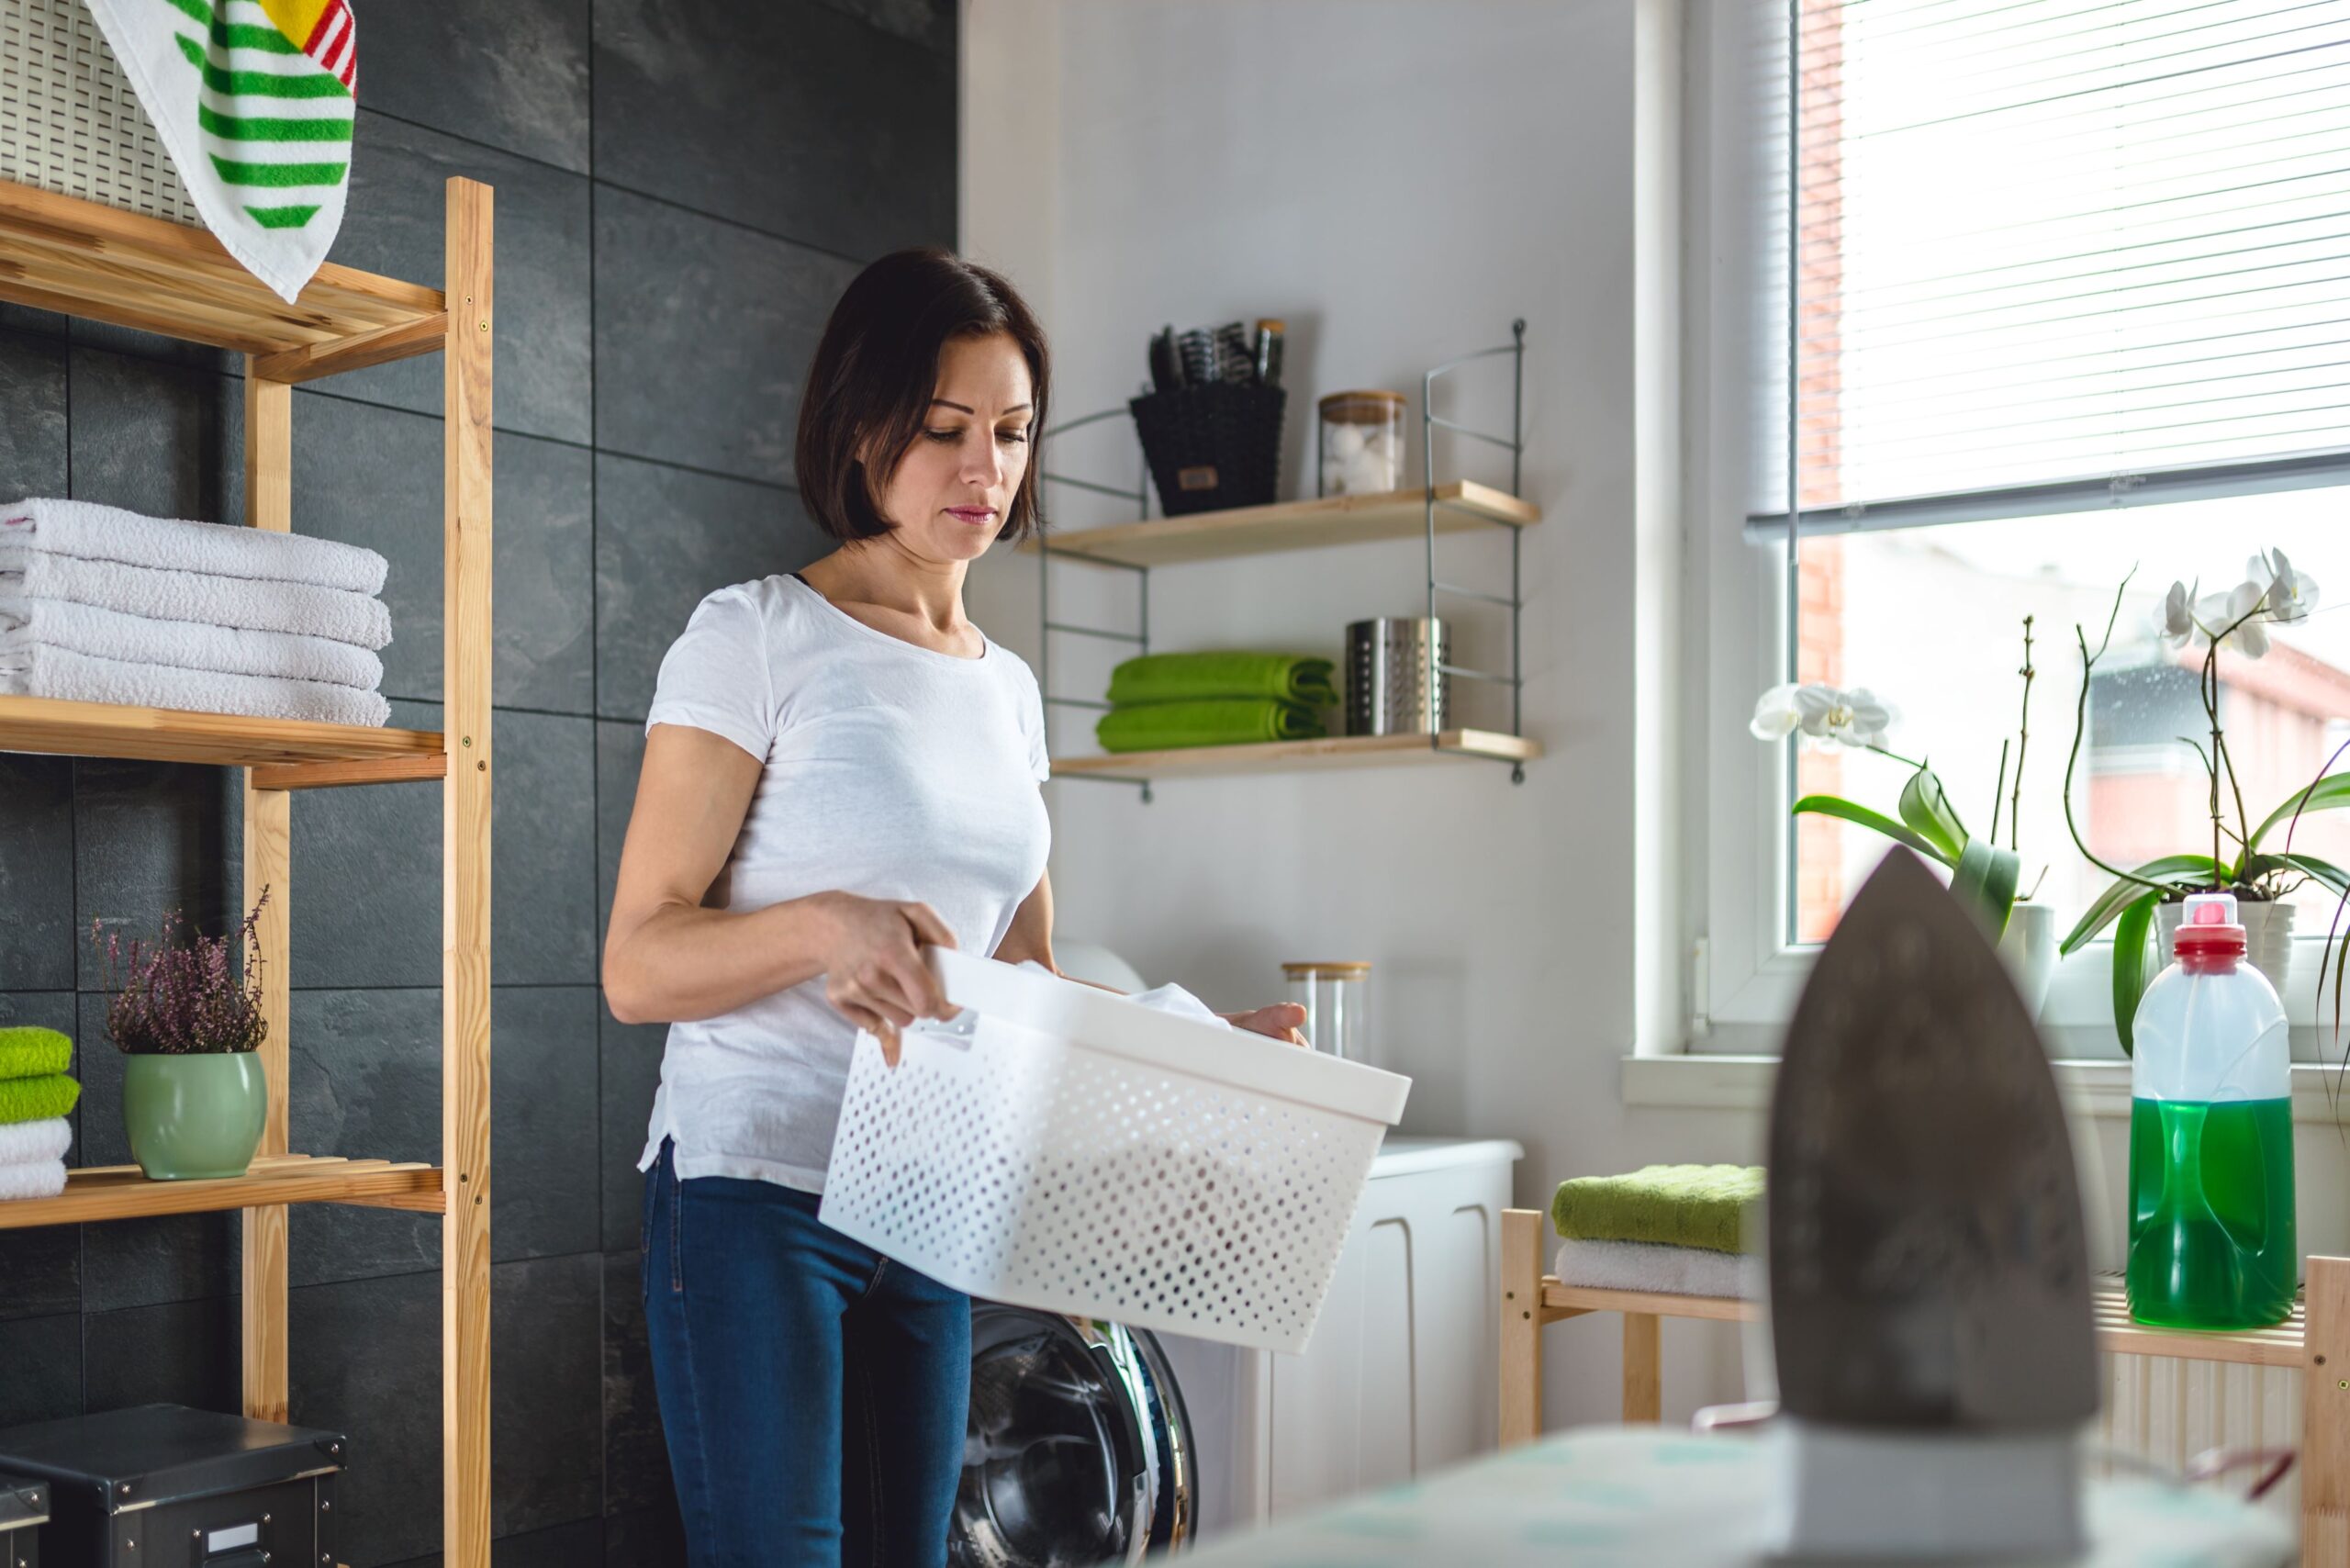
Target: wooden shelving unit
column 58, row 253
column 1294, row 525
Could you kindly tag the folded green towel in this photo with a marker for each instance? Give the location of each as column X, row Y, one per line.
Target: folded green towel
column 1192, row 678
column 1157, row 726
column 37, row 1099
column 1670, row 1205
column 27, row 1052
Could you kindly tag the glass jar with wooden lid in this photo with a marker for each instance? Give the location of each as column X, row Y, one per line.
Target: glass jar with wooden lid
column 1361, row 447
column 1337, row 999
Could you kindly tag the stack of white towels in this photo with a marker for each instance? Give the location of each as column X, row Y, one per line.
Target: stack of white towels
column 102, row 605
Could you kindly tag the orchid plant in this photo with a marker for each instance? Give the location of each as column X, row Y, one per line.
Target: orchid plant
column 2238, row 621
column 1984, row 873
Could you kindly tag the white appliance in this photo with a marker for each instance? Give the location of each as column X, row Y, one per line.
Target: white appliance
column 1403, row 1373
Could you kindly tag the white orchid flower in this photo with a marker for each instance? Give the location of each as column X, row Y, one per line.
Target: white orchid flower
column 2291, row 595
column 2175, row 617
column 2233, row 620
column 1854, row 718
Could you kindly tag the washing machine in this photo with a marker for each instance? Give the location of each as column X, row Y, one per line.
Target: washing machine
column 1090, row 1442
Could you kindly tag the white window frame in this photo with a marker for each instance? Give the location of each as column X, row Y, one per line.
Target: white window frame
column 1745, row 977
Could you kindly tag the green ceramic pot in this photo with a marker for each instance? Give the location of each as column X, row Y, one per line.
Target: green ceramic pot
column 192, row 1116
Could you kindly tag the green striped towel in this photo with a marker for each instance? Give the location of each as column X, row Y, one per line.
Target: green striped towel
column 37, row 1099
column 1166, row 726
column 1669, row 1206
column 254, row 100
column 27, row 1052
column 1190, row 677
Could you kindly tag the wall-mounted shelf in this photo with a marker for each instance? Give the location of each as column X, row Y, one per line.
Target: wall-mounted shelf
column 1289, row 756
column 61, row 253
column 120, row 1191
column 1295, row 525
column 1453, row 507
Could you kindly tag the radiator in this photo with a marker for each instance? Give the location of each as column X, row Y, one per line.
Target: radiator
column 2169, row 1411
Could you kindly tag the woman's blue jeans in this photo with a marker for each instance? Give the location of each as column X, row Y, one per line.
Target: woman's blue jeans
column 812, row 1391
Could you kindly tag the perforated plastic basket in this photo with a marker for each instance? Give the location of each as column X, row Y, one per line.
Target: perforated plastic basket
column 69, row 121
column 1062, row 1149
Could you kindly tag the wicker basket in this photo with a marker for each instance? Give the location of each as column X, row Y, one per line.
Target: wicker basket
column 1212, row 446
column 69, row 121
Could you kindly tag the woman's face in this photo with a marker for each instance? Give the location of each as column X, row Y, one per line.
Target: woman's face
column 947, row 499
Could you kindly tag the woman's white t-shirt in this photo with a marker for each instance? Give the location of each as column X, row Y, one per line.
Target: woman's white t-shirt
column 892, row 771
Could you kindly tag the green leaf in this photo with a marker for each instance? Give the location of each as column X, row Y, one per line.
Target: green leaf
column 1925, row 806
column 2328, row 794
column 1875, row 822
column 1985, row 883
column 2323, row 871
column 2130, row 965
column 2176, row 870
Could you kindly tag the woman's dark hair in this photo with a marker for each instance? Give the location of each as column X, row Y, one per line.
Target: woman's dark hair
column 871, row 385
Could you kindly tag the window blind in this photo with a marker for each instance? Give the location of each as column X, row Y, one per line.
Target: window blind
column 2052, row 254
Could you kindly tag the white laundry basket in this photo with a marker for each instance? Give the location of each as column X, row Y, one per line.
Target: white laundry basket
column 1062, row 1149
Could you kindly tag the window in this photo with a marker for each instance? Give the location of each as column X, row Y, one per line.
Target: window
column 2071, row 297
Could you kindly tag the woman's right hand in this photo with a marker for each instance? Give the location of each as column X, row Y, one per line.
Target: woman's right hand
column 873, row 969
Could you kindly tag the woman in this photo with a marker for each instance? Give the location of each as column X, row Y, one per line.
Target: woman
column 839, row 767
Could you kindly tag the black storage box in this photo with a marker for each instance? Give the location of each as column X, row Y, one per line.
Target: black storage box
column 1212, row 446
column 24, row 1509
column 164, row 1486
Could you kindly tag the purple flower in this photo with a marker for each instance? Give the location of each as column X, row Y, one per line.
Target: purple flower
column 183, row 996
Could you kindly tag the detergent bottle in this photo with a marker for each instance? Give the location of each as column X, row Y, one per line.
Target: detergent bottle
column 2211, row 1241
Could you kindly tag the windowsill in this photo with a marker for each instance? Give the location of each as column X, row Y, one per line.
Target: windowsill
column 2096, row 1088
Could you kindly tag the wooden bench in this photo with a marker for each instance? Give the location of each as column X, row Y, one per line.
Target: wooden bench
column 2316, row 1339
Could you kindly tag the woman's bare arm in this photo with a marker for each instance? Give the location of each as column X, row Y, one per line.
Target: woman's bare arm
column 666, row 958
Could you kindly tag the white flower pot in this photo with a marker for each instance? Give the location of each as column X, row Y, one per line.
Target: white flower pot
column 2267, row 936
column 2029, row 949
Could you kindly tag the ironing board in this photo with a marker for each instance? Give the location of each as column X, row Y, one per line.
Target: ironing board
column 1641, row 1496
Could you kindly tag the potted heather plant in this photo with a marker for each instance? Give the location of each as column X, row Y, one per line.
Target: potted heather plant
column 188, row 1019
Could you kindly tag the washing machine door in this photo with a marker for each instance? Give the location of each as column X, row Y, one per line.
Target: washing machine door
column 1077, row 1450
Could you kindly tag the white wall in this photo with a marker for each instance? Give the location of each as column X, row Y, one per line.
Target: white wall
column 1396, row 179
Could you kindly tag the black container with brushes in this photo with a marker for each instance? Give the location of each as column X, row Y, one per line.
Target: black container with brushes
column 1210, row 431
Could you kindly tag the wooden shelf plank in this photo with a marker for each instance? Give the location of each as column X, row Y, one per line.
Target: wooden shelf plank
column 2116, row 1333
column 1293, row 525
column 120, row 1191
column 59, row 253
column 167, row 735
column 1283, row 756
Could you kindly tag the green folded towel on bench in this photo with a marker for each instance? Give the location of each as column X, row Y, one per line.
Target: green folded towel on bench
column 1191, row 677
column 29, row 1052
column 1157, row 726
column 37, row 1099
column 1669, row 1206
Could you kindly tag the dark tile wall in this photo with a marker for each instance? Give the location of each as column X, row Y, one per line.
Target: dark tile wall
column 683, row 187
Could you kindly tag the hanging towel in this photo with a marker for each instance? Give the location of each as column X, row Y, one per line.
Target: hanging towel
column 22, row 1143
column 255, row 101
column 1185, row 677
column 40, row 1179
column 37, row 1099
column 94, row 533
column 28, row 623
column 77, row 678
column 1674, row 1205
column 299, row 608
column 1155, row 725
column 29, row 1052
column 1645, row 1266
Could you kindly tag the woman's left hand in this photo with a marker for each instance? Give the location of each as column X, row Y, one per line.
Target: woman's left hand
column 1279, row 1021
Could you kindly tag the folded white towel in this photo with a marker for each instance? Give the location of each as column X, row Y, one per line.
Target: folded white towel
column 94, row 533
column 1668, row 1271
column 26, row 622
column 78, row 677
column 342, row 615
column 34, row 1179
column 24, row 1142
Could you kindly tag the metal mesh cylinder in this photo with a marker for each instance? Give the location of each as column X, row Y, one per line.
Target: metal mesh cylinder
column 1390, row 662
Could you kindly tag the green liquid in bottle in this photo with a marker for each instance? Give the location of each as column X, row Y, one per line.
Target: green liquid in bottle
column 2211, row 1213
